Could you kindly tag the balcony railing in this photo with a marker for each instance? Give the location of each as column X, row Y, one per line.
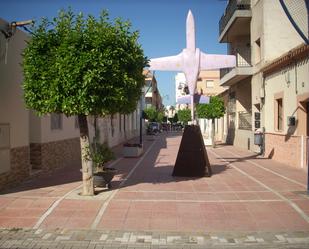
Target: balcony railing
column 243, row 59
column 232, row 6
column 244, row 120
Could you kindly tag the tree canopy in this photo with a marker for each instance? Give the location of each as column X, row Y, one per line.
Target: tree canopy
column 153, row 115
column 83, row 66
column 76, row 65
column 184, row 115
column 215, row 108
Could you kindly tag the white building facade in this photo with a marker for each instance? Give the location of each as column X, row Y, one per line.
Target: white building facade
column 269, row 88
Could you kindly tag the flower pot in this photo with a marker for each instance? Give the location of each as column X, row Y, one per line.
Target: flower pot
column 132, row 151
column 104, row 178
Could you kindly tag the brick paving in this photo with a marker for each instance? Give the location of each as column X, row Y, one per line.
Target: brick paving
column 248, row 201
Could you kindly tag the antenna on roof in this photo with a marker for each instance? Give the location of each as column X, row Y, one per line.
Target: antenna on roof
column 9, row 29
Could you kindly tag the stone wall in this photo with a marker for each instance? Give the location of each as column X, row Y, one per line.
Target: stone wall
column 285, row 149
column 20, row 167
column 36, row 155
column 57, row 154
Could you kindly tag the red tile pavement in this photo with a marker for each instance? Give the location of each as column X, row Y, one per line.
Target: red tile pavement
column 76, row 213
column 245, row 193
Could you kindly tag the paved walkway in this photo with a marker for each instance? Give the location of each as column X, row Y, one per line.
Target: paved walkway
column 247, row 200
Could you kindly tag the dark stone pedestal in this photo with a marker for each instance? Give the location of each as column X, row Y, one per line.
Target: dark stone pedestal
column 192, row 159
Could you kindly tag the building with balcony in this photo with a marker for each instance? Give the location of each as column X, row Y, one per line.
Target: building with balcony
column 151, row 91
column 269, row 86
column 208, row 84
column 235, row 29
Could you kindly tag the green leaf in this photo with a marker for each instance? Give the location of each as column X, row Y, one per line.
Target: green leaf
column 81, row 65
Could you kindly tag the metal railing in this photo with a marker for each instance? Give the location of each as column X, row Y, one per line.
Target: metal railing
column 243, row 59
column 232, row 6
column 231, row 107
column 244, row 120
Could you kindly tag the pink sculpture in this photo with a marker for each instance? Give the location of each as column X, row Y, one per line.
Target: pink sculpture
column 191, row 61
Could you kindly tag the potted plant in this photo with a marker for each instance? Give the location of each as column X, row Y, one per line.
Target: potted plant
column 101, row 154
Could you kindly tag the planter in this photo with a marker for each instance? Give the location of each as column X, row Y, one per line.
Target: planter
column 132, row 150
column 150, row 137
column 103, row 179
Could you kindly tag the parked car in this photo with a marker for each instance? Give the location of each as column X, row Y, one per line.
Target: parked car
column 153, row 128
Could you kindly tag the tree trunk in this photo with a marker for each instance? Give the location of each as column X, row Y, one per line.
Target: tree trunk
column 213, row 133
column 88, row 188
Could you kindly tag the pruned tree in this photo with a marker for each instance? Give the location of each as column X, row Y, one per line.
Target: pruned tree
column 215, row 109
column 184, row 116
column 154, row 115
column 160, row 116
column 83, row 66
column 175, row 118
column 151, row 114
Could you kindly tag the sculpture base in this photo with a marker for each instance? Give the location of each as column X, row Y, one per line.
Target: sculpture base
column 192, row 159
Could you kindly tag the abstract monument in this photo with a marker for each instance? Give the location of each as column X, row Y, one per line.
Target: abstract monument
column 191, row 61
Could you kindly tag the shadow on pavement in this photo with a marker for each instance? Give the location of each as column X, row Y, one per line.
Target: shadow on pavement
column 156, row 168
column 58, row 177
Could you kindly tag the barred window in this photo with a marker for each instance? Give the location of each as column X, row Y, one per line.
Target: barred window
column 279, row 115
column 244, row 120
column 56, row 121
column 76, row 124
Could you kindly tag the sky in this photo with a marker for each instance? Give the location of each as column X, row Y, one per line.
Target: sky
column 161, row 25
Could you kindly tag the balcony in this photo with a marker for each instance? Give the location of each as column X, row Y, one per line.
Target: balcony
column 235, row 21
column 243, row 69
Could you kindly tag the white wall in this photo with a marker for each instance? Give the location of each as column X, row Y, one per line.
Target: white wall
column 35, row 127
column 279, row 34
column 278, row 82
column 118, row 136
column 68, row 130
column 12, row 107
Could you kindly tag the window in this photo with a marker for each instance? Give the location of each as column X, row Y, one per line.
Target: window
column 231, row 105
column 76, row 124
column 209, row 83
column 124, row 122
column 258, row 50
column 55, row 121
column 112, row 124
column 244, row 120
column 119, row 122
column 279, row 114
column 132, row 120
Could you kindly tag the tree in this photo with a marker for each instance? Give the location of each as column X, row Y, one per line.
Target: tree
column 151, row 114
column 172, row 108
column 154, row 115
column 184, row 116
column 215, row 109
column 83, row 66
column 175, row 118
column 160, row 116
